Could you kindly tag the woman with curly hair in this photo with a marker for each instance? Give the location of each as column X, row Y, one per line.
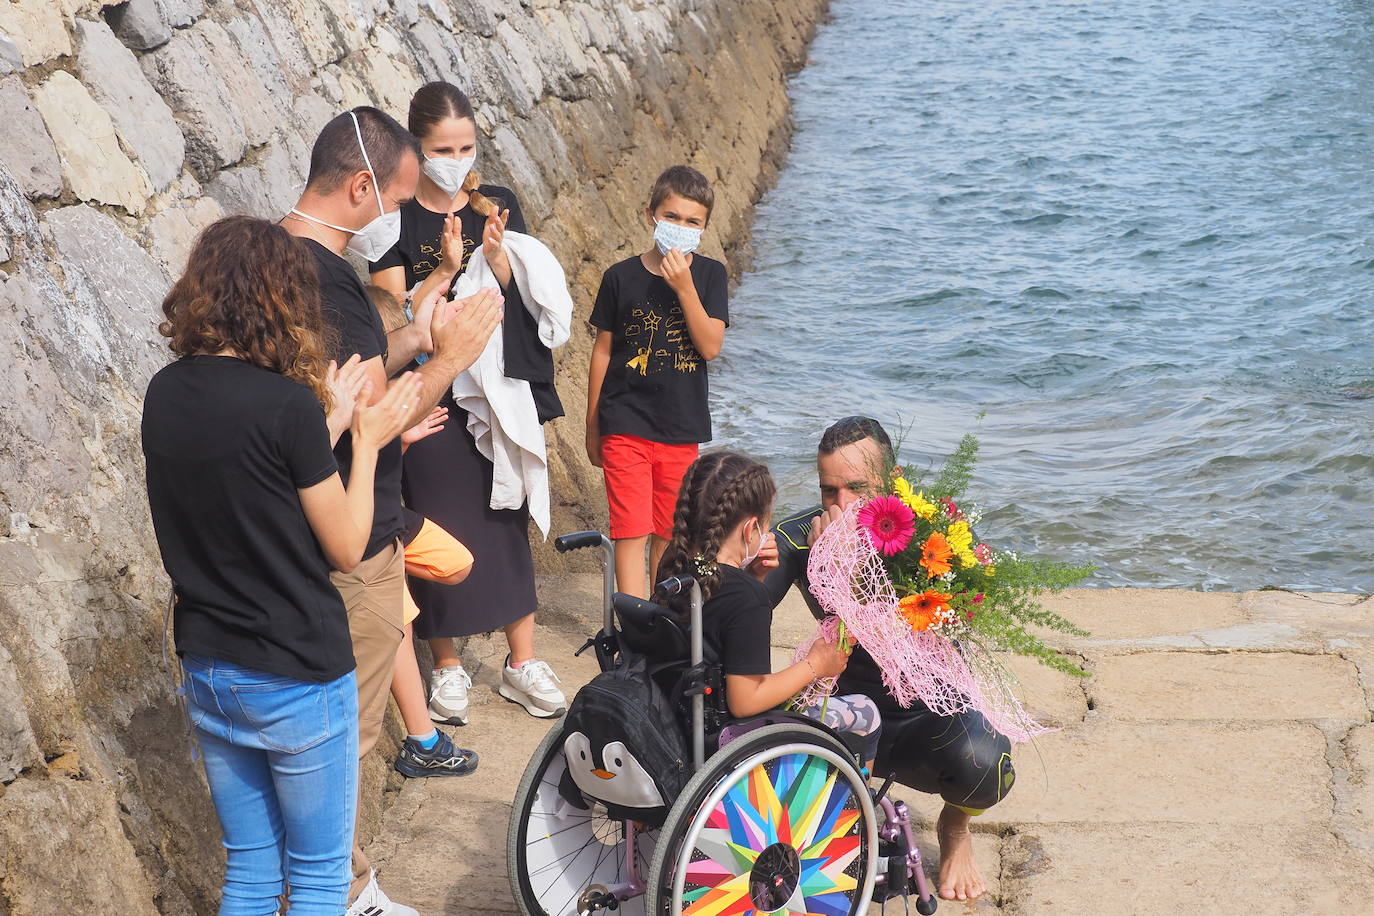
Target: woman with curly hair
column 250, row 515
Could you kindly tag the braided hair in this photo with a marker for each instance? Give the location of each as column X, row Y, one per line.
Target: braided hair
column 720, row 490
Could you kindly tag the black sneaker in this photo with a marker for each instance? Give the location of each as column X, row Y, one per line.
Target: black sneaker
column 441, row 760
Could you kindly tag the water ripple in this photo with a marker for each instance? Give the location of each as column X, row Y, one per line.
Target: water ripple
column 1145, row 264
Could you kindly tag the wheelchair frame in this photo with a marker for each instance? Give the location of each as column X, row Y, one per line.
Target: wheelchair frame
column 782, row 749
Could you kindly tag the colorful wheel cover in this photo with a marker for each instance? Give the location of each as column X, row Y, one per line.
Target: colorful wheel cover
column 797, row 800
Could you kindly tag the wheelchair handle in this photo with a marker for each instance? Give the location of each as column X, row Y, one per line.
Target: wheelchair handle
column 675, row 586
column 577, row 540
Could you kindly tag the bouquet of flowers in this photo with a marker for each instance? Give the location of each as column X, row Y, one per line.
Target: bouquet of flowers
column 905, row 575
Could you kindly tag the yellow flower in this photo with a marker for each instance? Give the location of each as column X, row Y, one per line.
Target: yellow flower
column 960, row 539
column 916, row 502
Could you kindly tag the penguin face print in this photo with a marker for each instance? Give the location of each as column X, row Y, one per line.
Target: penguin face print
column 610, row 773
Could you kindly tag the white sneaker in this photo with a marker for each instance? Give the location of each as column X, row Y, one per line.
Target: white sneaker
column 448, row 695
column 534, row 686
column 372, row 902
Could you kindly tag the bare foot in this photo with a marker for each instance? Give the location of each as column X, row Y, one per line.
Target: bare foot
column 959, row 876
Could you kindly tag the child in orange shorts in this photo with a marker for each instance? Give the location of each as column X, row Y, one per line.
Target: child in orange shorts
column 434, row 554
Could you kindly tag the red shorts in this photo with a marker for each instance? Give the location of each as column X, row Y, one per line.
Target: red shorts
column 642, row 482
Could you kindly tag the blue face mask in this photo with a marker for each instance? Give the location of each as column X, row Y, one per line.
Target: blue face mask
column 670, row 235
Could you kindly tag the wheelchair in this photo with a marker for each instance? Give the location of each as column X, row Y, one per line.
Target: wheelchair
column 778, row 818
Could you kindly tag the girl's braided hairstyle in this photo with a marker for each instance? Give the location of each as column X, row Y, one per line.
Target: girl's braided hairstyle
column 719, row 490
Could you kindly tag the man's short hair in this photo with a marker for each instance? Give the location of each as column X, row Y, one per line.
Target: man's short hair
column 336, row 157
column 684, row 181
column 849, row 430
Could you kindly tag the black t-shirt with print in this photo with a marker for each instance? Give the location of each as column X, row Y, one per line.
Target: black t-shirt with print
column 655, row 386
column 359, row 329
column 227, row 445
column 736, row 622
column 420, row 251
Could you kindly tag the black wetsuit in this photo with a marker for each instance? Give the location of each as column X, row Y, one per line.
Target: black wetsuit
column 960, row 758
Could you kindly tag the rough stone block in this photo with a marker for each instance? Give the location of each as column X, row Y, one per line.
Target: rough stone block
column 37, row 28
column 1148, row 613
column 257, row 50
column 1092, row 870
column 1183, row 772
column 95, row 166
column 64, row 842
column 521, row 62
column 25, row 147
column 1055, row 699
column 18, row 748
column 288, row 45
column 140, row 24
column 145, row 123
column 171, row 233
column 372, row 77
column 328, row 28
column 439, row 54
column 524, row 173
column 146, row 24
column 1325, row 616
column 268, row 187
column 124, row 282
column 1237, row 685
column 11, row 58
column 1355, row 790
column 201, row 77
column 475, row 16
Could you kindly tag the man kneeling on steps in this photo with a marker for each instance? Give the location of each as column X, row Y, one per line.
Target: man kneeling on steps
column 960, row 758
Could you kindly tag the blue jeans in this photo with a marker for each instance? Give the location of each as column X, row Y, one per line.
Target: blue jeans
column 281, row 757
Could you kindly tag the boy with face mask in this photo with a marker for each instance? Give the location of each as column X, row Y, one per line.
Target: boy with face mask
column 660, row 317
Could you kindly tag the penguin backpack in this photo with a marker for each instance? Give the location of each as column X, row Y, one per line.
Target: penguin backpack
column 624, row 744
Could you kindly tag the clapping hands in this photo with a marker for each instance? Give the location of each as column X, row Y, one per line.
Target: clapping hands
column 461, row 329
column 348, row 385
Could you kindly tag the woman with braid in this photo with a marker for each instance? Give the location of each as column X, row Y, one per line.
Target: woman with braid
column 719, row 529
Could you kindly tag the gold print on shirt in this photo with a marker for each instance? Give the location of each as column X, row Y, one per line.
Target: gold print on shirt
column 658, row 335
column 432, row 255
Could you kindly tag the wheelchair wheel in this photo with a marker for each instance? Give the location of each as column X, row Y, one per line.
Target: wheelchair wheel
column 559, row 856
column 778, row 820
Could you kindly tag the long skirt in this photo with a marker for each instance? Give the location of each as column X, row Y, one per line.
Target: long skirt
column 449, row 481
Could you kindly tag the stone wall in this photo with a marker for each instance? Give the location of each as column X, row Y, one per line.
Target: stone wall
column 129, row 126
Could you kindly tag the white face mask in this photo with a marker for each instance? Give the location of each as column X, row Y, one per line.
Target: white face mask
column 381, row 234
column 750, row 558
column 670, row 235
column 449, row 174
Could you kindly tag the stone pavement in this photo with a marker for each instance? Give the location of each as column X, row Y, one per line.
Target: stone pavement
column 1220, row 759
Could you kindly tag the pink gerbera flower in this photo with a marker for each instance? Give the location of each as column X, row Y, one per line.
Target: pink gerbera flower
column 890, row 523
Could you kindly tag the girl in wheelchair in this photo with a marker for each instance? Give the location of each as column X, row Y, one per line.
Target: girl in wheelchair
column 774, row 812
column 720, row 526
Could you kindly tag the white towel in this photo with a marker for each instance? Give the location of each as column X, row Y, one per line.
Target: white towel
column 502, row 418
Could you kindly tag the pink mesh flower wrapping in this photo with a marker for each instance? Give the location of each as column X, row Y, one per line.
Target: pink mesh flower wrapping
column 849, row 580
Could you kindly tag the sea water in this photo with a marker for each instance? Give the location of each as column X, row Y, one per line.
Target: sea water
column 1126, row 244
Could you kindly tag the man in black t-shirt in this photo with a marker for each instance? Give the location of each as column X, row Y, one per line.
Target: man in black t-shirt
column 363, row 166
column 961, row 758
